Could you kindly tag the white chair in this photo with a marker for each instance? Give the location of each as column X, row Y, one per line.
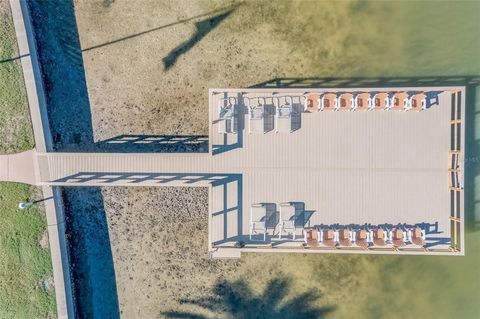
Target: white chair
column 227, row 116
column 283, row 114
column 287, row 220
column 256, row 115
column 258, row 215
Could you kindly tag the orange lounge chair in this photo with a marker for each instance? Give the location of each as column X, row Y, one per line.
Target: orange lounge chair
column 397, row 239
column 328, row 238
column 419, row 102
column 379, row 236
column 363, row 101
column 399, row 100
column 312, row 103
column 417, row 237
column 344, row 239
column 361, row 238
column 346, row 102
column 327, row 102
column 379, row 101
column 311, row 237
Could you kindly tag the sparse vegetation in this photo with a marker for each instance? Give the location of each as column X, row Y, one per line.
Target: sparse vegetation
column 15, row 128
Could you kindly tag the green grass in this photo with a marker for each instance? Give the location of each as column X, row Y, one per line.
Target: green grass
column 15, row 126
column 24, row 265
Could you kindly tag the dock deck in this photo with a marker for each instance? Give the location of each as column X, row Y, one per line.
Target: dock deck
column 339, row 168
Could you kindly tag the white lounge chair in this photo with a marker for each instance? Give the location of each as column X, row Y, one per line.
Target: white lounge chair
column 256, row 115
column 258, row 215
column 283, row 114
column 227, row 116
column 287, row 220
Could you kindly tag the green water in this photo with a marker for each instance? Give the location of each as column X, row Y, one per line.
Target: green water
column 410, row 40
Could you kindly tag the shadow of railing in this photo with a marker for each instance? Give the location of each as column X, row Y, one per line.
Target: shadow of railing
column 155, row 143
column 90, row 253
column 159, row 179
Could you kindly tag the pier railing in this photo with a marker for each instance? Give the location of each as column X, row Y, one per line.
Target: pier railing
column 455, row 186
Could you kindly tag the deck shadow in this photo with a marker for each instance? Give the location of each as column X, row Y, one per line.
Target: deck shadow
column 90, row 254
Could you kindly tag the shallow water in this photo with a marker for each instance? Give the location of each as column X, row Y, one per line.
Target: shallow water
column 377, row 41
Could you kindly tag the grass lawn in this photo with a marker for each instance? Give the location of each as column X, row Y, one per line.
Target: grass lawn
column 15, row 128
column 26, row 285
column 26, row 289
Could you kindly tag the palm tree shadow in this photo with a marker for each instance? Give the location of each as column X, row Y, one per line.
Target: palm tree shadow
column 203, row 28
column 237, row 300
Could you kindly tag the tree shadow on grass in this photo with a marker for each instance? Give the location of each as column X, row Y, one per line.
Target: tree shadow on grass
column 237, row 300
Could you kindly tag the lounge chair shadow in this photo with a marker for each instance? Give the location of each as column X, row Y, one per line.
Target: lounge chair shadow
column 237, row 299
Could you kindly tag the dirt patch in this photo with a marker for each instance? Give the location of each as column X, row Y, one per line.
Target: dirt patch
column 44, row 241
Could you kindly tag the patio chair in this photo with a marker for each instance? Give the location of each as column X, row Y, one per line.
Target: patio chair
column 419, row 102
column 311, row 237
column 283, row 114
column 418, row 236
column 328, row 238
column 312, row 103
column 363, row 101
column 344, row 237
column 400, row 101
column 287, row 220
column 227, row 116
column 398, row 239
column 346, row 101
column 258, row 216
column 379, row 237
column 327, row 101
column 256, row 115
column 361, row 238
column 380, row 101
